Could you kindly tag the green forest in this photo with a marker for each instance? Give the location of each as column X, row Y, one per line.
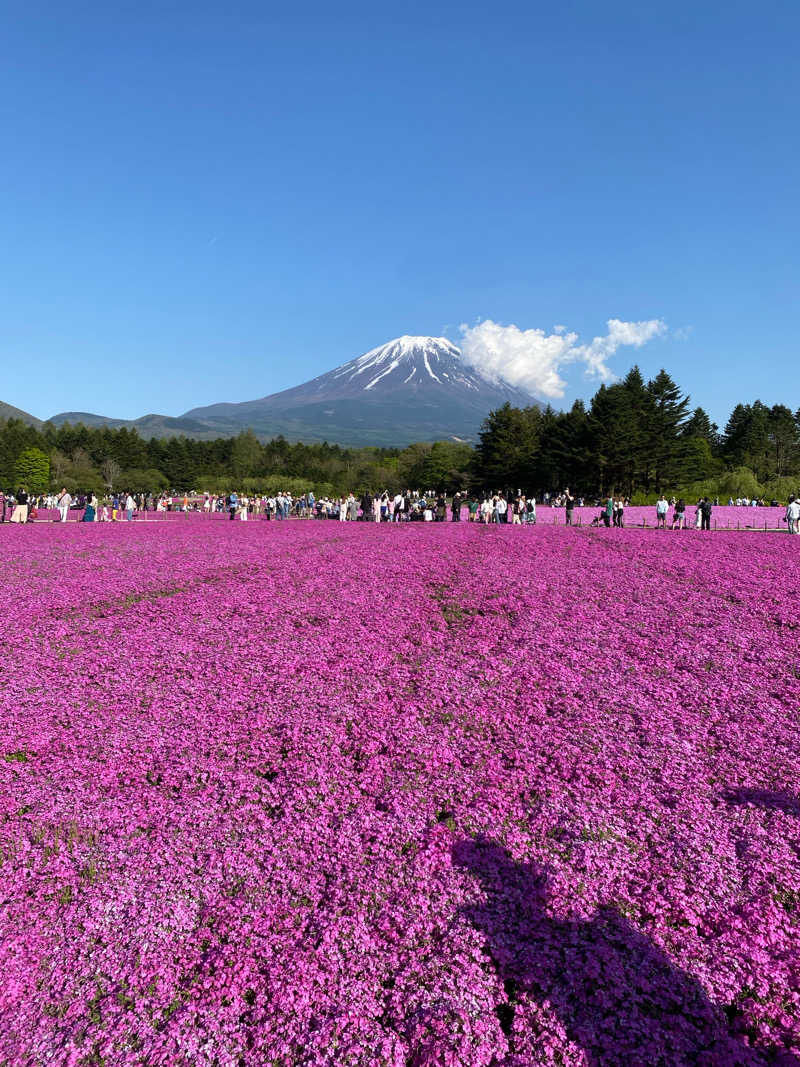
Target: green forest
column 636, row 438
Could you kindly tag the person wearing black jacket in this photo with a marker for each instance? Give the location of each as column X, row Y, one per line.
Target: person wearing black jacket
column 366, row 506
column 705, row 511
column 20, row 512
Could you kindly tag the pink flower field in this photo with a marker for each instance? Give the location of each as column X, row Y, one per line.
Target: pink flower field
column 321, row 793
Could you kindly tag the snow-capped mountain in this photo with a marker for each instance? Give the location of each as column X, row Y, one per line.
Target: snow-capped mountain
column 412, row 359
column 410, row 389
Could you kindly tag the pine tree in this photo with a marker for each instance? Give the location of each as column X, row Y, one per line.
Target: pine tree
column 569, row 448
column 700, row 425
column 507, row 448
column 666, row 421
column 784, row 440
column 615, row 435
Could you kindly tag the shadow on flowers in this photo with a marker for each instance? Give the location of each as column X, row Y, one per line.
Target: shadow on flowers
column 616, row 995
column 764, row 798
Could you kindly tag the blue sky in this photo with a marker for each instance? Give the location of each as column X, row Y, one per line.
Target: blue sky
column 206, row 202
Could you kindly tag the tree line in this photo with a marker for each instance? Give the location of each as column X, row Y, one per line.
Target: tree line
column 636, row 438
column 83, row 458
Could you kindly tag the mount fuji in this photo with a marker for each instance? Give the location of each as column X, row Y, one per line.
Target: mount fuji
column 409, row 389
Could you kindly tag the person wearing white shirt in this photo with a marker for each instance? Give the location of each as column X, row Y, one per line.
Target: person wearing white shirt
column 662, row 506
column 793, row 516
column 64, row 502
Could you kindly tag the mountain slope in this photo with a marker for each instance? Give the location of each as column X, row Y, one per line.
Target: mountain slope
column 8, row 411
column 147, row 425
column 409, row 389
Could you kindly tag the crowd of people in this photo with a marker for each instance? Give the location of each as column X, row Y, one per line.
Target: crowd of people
column 22, row 507
column 409, row 506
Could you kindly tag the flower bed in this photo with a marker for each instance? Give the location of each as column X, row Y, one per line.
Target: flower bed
column 314, row 793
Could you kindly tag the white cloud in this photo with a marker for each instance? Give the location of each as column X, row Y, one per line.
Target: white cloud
column 532, row 359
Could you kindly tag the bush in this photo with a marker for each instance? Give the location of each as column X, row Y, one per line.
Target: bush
column 782, row 489
column 32, row 470
column 739, row 482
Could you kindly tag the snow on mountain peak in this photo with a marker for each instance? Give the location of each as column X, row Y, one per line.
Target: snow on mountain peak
column 416, row 358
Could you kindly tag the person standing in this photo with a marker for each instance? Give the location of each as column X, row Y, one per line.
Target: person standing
column 366, row 507
column 793, row 516
column 705, row 511
column 662, row 507
column 455, row 507
column 569, row 506
column 233, row 505
column 20, row 512
column 130, row 507
column 90, row 510
column 63, row 505
column 679, row 515
column 608, row 512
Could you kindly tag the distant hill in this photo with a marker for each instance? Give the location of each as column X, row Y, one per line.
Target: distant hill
column 409, row 389
column 146, row 426
column 8, row 411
